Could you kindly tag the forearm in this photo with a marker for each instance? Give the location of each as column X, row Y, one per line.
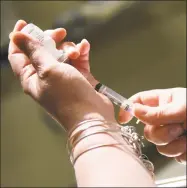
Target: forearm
column 109, row 166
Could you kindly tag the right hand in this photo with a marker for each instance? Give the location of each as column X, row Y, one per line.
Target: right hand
column 59, row 88
column 81, row 62
column 164, row 114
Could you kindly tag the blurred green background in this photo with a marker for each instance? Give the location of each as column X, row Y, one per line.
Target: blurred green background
column 146, row 50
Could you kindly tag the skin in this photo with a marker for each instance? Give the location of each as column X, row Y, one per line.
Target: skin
column 67, row 94
column 45, row 79
column 164, row 114
column 163, row 111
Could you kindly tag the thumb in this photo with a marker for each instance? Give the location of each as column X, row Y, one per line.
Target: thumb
column 39, row 57
column 166, row 114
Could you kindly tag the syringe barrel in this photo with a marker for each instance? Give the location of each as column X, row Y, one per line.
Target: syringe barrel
column 48, row 43
column 116, row 98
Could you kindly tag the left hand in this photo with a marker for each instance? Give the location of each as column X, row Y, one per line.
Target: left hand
column 58, row 87
column 80, row 59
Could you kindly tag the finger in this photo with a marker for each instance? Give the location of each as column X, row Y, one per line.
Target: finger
column 181, row 158
column 57, row 35
column 18, row 27
column 166, row 114
column 150, row 98
column 39, row 57
column 175, row 148
column 124, row 116
column 84, row 48
column 82, row 62
column 70, row 49
column 163, row 135
column 18, row 61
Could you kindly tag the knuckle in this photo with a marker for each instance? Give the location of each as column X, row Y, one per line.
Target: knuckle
column 35, row 52
column 157, row 115
column 47, row 71
column 21, row 73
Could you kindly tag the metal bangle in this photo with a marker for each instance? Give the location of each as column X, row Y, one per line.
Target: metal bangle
column 128, row 133
column 88, row 133
column 82, row 123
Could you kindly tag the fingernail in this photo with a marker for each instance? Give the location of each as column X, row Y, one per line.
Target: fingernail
column 84, row 40
column 175, row 131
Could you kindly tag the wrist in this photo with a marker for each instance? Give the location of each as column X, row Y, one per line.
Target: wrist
column 76, row 114
column 92, row 108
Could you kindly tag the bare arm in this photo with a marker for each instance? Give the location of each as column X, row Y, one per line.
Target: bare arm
column 109, row 166
column 52, row 85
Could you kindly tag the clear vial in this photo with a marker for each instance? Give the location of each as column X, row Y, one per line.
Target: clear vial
column 48, row 42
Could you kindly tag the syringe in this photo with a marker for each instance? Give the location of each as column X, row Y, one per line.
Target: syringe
column 50, row 45
column 116, row 98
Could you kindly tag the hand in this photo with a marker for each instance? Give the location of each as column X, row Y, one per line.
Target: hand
column 164, row 114
column 57, row 87
column 80, row 60
column 78, row 56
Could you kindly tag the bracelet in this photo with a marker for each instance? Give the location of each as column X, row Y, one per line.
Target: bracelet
column 85, row 132
column 88, row 133
column 83, row 123
column 125, row 133
column 72, row 138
